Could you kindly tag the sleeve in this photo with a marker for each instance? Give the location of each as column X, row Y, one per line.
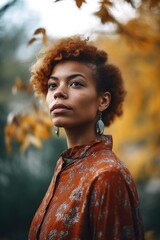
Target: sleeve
column 114, row 209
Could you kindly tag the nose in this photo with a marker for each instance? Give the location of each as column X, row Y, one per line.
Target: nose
column 60, row 92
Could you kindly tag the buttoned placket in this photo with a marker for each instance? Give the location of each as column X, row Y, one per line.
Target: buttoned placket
column 54, row 185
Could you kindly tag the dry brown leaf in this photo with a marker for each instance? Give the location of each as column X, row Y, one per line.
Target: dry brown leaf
column 8, row 146
column 35, row 141
column 47, row 121
column 28, row 129
column 20, row 85
column 154, row 3
column 79, row 3
column 30, row 140
column 41, row 131
column 10, row 130
column 40, row 30
column 136, row 32
column 104, row 15
column 9, row 134
column 45, row 39
column 27, row 120
column 25, row 144
column 31, row 40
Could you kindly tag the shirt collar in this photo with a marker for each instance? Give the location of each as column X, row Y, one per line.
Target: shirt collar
column 77, row 152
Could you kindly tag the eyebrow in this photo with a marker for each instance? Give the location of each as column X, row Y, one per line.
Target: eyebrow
column 70, row 77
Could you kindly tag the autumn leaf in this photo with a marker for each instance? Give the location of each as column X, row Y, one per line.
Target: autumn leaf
column 136, row 32
column 79, row 3
column 9, row 132
column 31, row 40
column 43, row 32
column 47, row 121
column 27, row 129
column 45, row 39
column 104, row 15
column 20, row 85
column 30, row 140
column 35, row 141
column 40, row 30
column 41, row 131
column 154, row 3
column 37, row 32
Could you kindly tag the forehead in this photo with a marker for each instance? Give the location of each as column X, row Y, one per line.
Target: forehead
column 72, row 67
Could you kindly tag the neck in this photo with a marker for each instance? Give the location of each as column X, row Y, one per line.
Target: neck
column 80, row 136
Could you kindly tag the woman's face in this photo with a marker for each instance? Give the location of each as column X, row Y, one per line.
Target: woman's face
column 72, row 97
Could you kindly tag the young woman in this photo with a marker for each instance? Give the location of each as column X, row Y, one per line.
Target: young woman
column 92, row 194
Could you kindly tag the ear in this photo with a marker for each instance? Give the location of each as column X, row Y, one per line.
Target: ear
column 104, row 102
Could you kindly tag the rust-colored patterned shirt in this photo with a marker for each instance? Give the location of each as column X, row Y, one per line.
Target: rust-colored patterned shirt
column 91, row 196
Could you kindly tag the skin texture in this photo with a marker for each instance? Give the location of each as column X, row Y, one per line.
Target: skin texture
column 71, row 85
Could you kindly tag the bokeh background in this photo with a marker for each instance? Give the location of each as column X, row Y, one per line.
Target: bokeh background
column 130, row 32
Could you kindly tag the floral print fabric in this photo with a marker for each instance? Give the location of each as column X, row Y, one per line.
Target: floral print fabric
column 92, row 196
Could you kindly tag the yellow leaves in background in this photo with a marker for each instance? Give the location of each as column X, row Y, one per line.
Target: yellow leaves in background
column 20, row 85
column 27, row 129
column 141, row 30
column 138, row 31
column 137, row 133
column 135, row 31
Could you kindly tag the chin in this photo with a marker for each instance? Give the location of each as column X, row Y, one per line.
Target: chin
column 59, row 123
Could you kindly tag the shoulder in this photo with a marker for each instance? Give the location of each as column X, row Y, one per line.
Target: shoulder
column 114, row 183
column 106, row 163
column 108, row 169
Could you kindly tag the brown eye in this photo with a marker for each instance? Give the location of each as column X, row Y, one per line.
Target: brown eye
column 76, row 84
column 52, row 86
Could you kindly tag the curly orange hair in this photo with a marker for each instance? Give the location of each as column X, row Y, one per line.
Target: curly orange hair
column 107, row 76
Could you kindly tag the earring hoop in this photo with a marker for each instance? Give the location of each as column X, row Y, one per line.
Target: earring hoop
column 56, row 129
column 100, row 125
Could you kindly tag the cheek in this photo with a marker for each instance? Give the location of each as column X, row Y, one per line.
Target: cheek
column 87, row 104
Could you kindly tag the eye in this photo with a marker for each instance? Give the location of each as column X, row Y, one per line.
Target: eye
column 52, row 86
column 76, row 84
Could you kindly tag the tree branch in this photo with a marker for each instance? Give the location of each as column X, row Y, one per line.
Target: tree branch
column 4, row 8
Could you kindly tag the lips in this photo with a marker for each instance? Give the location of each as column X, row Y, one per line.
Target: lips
column 59, row 108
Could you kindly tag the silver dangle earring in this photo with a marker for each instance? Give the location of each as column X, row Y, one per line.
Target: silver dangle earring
column 56, row 131
column 100, row 125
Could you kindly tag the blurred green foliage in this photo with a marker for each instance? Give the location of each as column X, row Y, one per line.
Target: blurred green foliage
column 23, row 182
